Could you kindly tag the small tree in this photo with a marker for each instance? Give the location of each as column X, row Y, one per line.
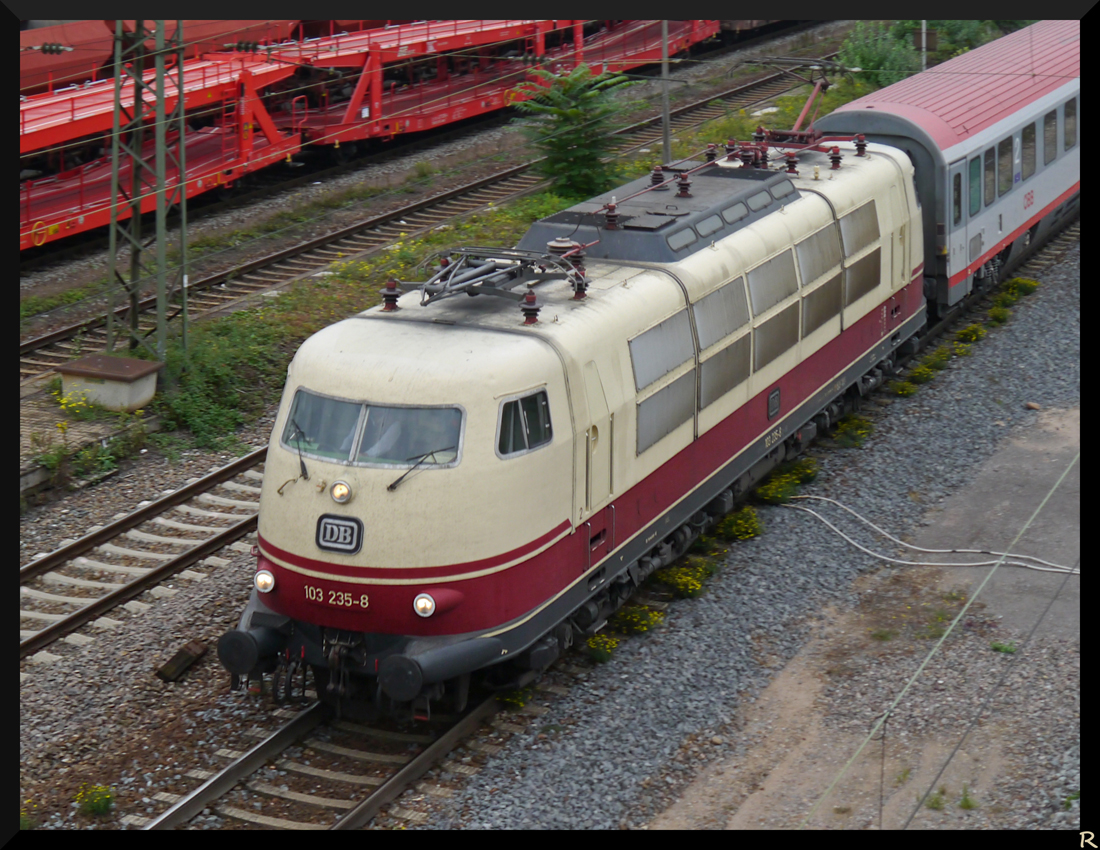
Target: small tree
column 571, row 121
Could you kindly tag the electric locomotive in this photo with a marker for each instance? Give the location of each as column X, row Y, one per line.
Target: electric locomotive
column 473, row 474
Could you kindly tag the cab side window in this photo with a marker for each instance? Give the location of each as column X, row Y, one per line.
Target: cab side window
column 524, row 424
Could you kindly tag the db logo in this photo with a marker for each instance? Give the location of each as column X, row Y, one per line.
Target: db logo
column 339, row 534
column 1029, row 199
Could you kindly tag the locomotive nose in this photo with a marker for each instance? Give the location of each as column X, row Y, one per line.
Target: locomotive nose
column 241, row 651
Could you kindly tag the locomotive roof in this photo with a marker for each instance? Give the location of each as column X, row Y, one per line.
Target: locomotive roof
column 965, row 95
column 648, row 220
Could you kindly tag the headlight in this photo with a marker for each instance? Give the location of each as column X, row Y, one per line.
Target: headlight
column 424, row 605
column 264, row 581
column 341, row 492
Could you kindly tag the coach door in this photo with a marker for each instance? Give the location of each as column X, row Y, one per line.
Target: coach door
column 956, row 228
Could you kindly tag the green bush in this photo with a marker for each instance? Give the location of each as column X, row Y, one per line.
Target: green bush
column 921, row 374
column 778, row 488
column 903, row 388
column 95, row 799
column 853, row 430
column 971, row 333
column 687, row 577
column 938, row 358
column 635, row 619
column 999, row 315
column 601, row 647
column 741, row 524
column 1024, row 285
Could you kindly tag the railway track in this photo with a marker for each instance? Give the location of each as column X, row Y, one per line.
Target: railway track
column 365, row 767
column 215, row 293
column 86, row 579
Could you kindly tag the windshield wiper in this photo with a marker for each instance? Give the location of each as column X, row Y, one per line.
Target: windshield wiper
column 419, row 460
column 298, row 434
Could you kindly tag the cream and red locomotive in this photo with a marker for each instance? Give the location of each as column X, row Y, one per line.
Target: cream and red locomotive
column 471, row 476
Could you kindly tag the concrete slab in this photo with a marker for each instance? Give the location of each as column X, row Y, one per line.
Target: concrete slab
column 989, row 513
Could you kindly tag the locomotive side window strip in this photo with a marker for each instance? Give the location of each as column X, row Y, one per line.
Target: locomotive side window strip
column 957, row 199
column 734, row 214
column 772, row 281
column 818, row 254
column 1004, row 165
column 724, row 370
column 666, row 410
column 661, row 349
column 709, row 225
column 781, row 190
column 990, row 176
column 681, row 239
column 822, row 304
column 524, row 424
column 1070, row 127
column 775, row 336
column 861, row 277
column 859, row 228
column 721, row 313
column 1050, row 137
column 1027, row 136
column 758, row 201
column 975, row 185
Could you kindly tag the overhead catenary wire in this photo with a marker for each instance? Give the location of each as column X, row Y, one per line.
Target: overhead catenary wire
column 936, row 648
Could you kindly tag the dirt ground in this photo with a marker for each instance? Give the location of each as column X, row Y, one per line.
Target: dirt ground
column 798, row 740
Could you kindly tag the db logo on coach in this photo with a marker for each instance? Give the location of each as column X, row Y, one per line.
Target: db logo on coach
column 339, row 534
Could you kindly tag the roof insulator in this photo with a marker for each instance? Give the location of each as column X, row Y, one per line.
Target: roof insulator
column 657, row 177
column 530, row 307
column 747, row 155
column 712, row 152
column 834, row 157
column 559, row 245
column 390, row 294
column 861, row 144
column 792, row 163
column 612, row 216
column 684, row 184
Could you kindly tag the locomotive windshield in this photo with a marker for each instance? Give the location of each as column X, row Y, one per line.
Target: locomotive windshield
column 370, row 434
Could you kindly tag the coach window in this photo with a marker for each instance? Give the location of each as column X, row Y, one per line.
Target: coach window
column 990, row 176
column 1071, row 123
column 1004, row 166
column 524, row 424
column 957, row 198
column 975, row 185
column 1028, row 138
column 1050, row 137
